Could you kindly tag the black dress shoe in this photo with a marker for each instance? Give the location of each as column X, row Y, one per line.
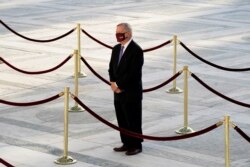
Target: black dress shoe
column 121, row 149
column 133, row 151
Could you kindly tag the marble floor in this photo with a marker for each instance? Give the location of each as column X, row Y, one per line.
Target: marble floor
column 216, row 30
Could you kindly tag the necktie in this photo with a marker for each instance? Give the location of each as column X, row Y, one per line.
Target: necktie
column 120, row 54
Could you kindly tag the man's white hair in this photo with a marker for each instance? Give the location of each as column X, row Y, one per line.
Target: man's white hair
column 126, row 26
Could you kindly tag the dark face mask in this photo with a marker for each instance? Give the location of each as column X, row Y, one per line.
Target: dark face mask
column 120, row 37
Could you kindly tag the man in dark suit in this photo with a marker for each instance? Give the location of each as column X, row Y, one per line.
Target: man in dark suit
column 125, row 72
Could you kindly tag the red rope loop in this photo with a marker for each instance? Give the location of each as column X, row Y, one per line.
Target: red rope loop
column 133, row 134
column 94, row 72
column 144, row 90
column 5, row 163
column 243, row 134
column 37, row 72
column 164, row 83
column 218, row 93
column 98, row 41
column 157, row 47
column 37, row 40
column 110, row 47
column 212, row 64
column 31, row 103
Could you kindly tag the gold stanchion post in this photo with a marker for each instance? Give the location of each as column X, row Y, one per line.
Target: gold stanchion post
column 227, row 141
column 185, row 129
column 76, row 108
column 65, row 159
column 174, row 89
column 79, row 74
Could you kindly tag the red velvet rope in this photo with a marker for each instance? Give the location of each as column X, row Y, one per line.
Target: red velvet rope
column 218, row 93
column 5, row 163
column 110, row 47
column 36, row 40
column 30, row 103
column 133, row 134
column 144, row 90
column 157, row 47
column 244, row 135
column 103, row 44
column 94, row 72
column 164, row 83
column 36, row 72
column 212, row 64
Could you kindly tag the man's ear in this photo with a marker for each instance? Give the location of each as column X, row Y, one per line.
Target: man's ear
column 128, row 34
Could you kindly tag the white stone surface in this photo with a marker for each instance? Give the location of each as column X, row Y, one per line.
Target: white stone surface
column 218, row 31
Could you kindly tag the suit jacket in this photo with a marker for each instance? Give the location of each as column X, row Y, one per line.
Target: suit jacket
column 128, row 74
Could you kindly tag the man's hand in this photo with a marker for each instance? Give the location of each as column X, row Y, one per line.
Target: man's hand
column 115, row 88
column 118, row 90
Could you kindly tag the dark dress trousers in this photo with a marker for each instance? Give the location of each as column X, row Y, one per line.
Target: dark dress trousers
column 128, row 77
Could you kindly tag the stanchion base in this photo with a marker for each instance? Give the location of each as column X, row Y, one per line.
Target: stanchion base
column 65, row 160
column 76, row 109
column 175, row 90
column 81, row 75
column 184, row 130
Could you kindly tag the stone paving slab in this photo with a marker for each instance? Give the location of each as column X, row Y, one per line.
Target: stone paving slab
column 218, row 31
